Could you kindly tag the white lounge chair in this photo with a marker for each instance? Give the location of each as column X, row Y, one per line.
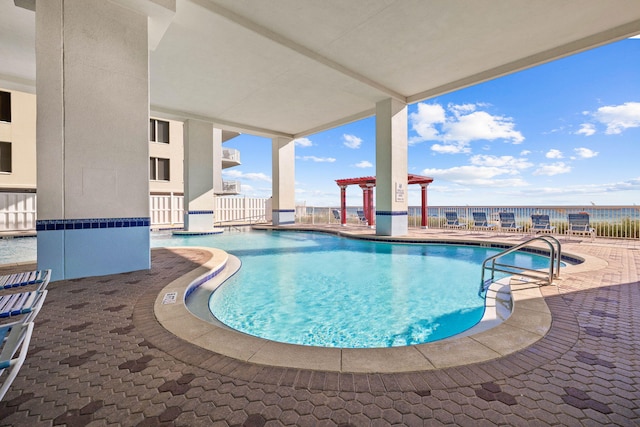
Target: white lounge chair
column 579, row 224
column 480, row 221
column 362, row 218
column 508, row 222
column 452, row 220
column 28, row 303
column 37, row 277
column 540, row 224
column 14, row 336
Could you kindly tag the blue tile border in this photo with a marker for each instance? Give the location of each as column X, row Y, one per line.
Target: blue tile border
column 199, row 212
column 392, row 213
column 203, row 279
column 284, row 210
column 91, row 223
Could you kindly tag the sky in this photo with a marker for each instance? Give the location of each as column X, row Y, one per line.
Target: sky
column 562, row 133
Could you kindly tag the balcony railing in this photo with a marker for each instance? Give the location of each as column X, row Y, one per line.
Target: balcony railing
column 231, row 156
column 230, row 187
column 609, row 221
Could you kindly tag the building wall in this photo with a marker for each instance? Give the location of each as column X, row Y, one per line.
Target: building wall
column 21, row 133
column 174, row 152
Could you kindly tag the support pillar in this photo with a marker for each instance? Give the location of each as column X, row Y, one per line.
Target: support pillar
column 92, row 138
column 343, row 205
column 201, row 142
column 424, row 208
column 391, row 168
column 365, row 203
column 371, row 213
column 283, row 171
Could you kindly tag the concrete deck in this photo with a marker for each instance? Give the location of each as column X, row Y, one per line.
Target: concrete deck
column 99, row 356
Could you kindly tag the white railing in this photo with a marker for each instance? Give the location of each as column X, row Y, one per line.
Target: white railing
column 231, row 187
column 239, row 209
column 17, row 211
column 166, row 210
column 608, row 221
column 231, row 155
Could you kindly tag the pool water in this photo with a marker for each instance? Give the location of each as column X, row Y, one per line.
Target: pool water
column 322, row 290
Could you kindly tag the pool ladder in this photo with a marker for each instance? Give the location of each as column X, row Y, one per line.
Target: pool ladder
column 492, row 263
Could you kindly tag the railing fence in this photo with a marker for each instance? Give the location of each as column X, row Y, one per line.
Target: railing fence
column 18, row 212
column 608, row 221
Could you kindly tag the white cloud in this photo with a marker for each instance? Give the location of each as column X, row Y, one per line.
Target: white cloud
column 251, row 176
column 551, row 169
column 585, row 153
column 586, row 129
column 617, row 118
column 451, row 148
column 302, row 142
column 508, row 162
column 364, row 164
column 424, row 120
column 485, row 176
column 457, row 127
column 351, row 141
column 554, row 154
column 317, row 159
column 525, row 152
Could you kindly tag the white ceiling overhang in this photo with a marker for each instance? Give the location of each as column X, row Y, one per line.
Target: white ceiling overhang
column 295, row 67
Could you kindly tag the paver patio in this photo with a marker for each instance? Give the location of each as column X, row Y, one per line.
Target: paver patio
column 98, row 357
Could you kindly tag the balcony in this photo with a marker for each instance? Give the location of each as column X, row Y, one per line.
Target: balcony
column 231, row 187
column 230, row 158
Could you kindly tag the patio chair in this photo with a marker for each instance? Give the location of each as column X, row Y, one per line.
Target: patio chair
column 336, row 214
column 452, row 220
column 28, row 303
column 579, row 224
column 480, row 221
column 508, row 222
column 14, row 336
column 362, row 218
column 540, row 224
column 35, row 277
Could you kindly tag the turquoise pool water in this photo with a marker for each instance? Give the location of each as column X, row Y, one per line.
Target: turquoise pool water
column 322, row 290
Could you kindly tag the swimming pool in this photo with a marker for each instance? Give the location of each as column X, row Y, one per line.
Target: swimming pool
column 323, row 290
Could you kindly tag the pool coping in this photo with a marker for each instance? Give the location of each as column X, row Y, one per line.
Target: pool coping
column 529, row 322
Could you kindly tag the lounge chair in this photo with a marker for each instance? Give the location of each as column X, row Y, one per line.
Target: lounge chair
column 16, row 304
column 579, row 224
column 480, row 221
column 508, row 222
column 13, row 337
column 35, row 277
column 336, row 214
column 362, row 218
column 540, row 224
column 452, row 220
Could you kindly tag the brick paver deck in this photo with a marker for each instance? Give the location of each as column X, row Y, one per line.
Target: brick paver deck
column 98, row 357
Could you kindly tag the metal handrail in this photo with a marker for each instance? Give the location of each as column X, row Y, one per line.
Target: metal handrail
column 555, row 254
column 250, row 218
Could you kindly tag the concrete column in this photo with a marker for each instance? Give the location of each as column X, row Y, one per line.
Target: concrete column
column 92, row 138
column 283, row 171
column 201, row 143
column 391, row 168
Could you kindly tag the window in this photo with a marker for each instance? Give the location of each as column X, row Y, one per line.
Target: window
column 159, row 131
column 158, row 169
column 5, row 157
column 5, row 106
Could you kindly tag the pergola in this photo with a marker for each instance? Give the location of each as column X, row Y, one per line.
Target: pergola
column 367, row 183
